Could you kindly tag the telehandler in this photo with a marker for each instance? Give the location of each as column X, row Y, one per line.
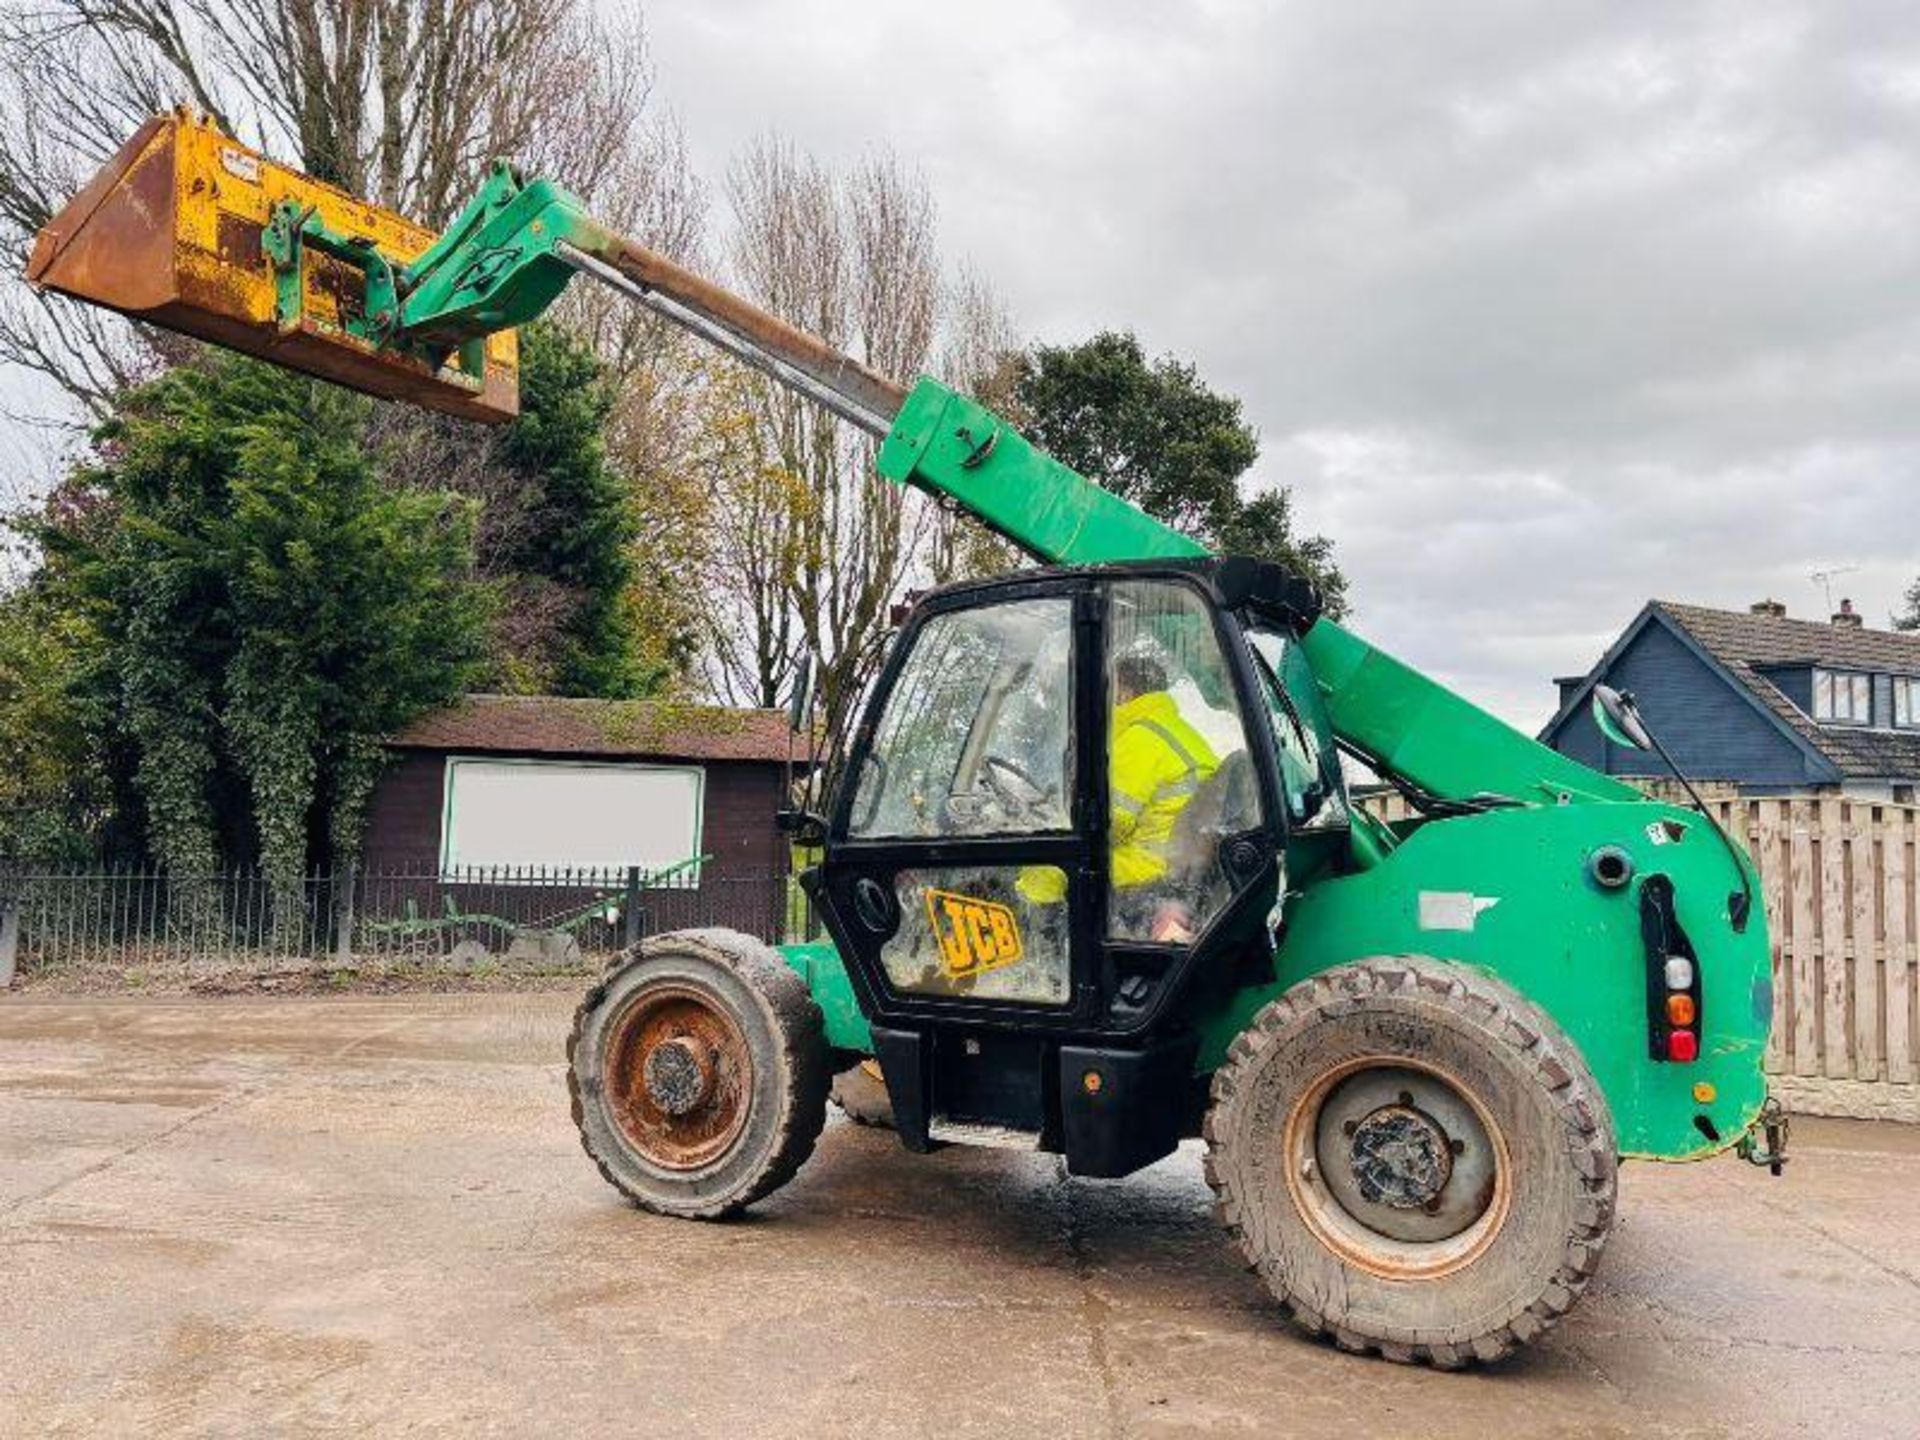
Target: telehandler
column 1416, row 1051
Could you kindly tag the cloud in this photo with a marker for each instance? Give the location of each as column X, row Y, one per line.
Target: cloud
column 1541, row 310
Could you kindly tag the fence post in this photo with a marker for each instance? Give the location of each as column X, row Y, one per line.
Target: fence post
column 9, row 938
column 630, row 909
column 343, row 916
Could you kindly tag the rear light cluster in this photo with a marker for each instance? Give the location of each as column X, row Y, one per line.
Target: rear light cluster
column 1682, row 1009
column 1675, row 1013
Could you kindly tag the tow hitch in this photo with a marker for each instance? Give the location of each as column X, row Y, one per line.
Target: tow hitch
column 1772, row 1123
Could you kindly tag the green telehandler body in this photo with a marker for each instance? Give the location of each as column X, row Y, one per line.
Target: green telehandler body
column 1092, row 876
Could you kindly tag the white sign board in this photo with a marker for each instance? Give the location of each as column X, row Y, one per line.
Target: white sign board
column 555, row 814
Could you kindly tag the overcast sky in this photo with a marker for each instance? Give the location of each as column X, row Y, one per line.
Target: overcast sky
column 1541, row 309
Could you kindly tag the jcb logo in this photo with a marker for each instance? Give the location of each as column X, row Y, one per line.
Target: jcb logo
column 975, row 935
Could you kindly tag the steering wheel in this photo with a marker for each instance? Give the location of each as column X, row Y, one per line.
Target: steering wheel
column 1012, row 783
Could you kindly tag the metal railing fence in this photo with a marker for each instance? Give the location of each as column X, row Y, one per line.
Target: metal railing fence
column 533, row 916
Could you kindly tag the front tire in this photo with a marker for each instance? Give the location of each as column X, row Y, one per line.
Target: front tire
column 698, row 1067
column 1415, row 1158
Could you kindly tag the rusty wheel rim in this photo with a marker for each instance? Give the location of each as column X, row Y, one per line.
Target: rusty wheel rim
column 678, row 1077
column 1349, row 1235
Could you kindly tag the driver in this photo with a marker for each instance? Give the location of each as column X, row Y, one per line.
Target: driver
column 1157, row 762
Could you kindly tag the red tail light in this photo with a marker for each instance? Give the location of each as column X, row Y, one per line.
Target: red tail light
column 1683, row 1045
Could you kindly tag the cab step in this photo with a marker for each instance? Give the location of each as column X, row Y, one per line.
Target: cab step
column 991, row 1137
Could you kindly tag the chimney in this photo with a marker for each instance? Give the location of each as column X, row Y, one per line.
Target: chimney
column 1772, row 609
column 1847, row 615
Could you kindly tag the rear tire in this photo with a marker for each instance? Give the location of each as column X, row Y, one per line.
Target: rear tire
column 1415, row 1159
column 698, row 1067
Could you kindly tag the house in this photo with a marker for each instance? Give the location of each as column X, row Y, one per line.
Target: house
column 502, row 782
column 1759, row 701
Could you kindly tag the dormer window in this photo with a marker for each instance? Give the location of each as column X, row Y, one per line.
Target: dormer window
column 1843, row 697
column 1906, row 701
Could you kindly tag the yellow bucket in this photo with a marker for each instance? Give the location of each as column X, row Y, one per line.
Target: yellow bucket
column 169, row 232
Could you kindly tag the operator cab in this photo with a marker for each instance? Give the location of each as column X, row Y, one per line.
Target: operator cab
column 1062, row 827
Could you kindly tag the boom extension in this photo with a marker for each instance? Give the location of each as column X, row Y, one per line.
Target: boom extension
column 517, row 244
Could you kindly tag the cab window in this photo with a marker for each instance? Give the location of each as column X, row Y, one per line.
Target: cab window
column 977, row 736
column 1180, row 780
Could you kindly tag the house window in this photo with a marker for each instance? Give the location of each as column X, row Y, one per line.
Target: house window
column 1844, row 697
column 1906, row 701
column 557, row 815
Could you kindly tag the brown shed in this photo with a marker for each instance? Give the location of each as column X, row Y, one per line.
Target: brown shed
column 536, row 781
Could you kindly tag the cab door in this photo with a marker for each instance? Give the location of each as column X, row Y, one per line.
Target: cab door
column 961, row 871
column 1194, row 834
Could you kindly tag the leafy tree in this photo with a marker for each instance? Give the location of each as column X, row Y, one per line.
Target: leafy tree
column 580, row 523
column 560, row 525
column 262, row 612
column 51, row 784
column 1155, row 433
column 1909, row 618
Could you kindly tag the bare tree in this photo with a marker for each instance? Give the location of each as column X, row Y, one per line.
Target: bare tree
column 979, row 355
column 813, row 546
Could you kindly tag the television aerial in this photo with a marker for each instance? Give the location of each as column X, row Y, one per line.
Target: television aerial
column 1825, row 578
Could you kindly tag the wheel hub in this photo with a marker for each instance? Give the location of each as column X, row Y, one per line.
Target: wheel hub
column 1400, row 1158
column 679, row 1076
column 1400, row 1154
column 676, row 1080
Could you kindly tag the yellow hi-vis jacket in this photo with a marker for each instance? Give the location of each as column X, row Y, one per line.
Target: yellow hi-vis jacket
column 1158, row 760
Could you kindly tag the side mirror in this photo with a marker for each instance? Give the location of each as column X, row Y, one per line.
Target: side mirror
column 797, row 818
column 806, row 829
column 802, row 693
column 1618, row 717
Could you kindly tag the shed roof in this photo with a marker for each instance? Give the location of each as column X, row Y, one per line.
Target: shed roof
column 552, row 725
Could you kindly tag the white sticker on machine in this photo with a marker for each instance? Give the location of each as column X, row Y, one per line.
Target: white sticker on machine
column 240, row 165
column 1453, row 909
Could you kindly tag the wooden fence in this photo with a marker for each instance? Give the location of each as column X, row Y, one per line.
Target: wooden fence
column 1841, row 887
column 1839, row 881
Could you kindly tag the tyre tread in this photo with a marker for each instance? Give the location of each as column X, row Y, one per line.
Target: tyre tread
column 1524, row 1028
column 798, row 1027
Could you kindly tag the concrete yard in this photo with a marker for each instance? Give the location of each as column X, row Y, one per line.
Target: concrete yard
column 287, row 1216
